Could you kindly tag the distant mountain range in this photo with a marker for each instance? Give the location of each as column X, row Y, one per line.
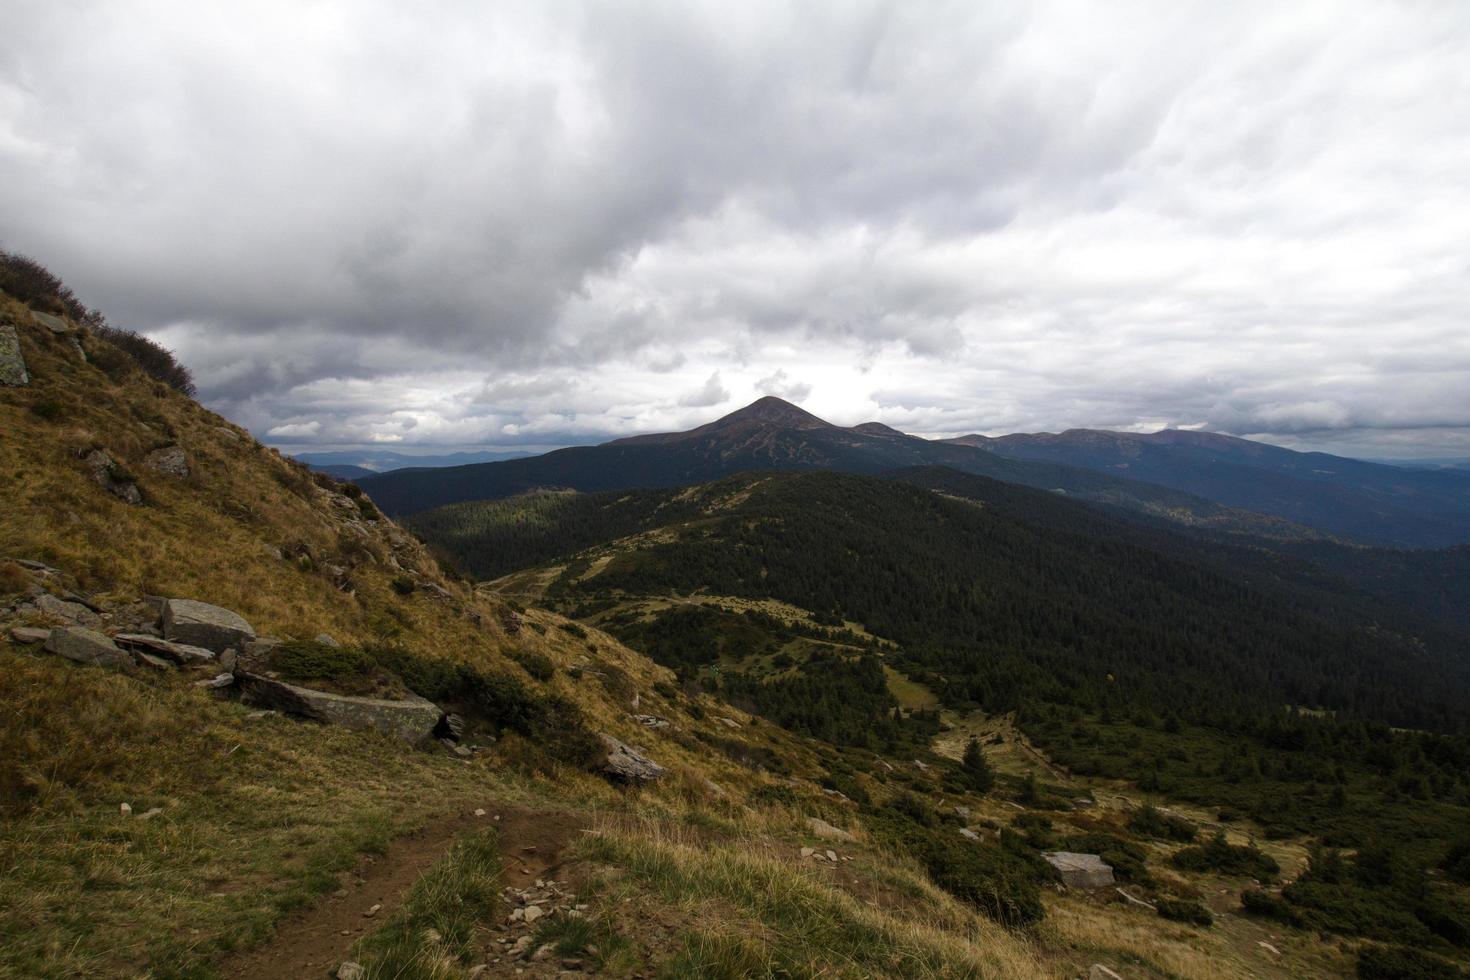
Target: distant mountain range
column 1197, row 479
column 1368, row 502
column 356, row 465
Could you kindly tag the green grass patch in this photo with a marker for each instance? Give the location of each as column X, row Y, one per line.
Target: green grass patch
column 434, row 928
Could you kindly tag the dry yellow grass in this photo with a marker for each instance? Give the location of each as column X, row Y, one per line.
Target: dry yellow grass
column 258, row 816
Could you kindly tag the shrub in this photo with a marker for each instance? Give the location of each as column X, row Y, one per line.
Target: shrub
column 348, row 670
column 36, row 286
column 13, row 578
column 48, row 408
column 1268, row 906
column 1456, row 863
column 1151, row 822
column 1181, row 911
column 536, row 664
column 149, row 356
column 1124, row 857
column 367, row 510
column 1404, row 963
column 403, row 585
column 500, row 699
column 999, row 879
column 1217, row 854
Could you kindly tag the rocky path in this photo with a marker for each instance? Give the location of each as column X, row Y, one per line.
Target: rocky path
column 311, row 942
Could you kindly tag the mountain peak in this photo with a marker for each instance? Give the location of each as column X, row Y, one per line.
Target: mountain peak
column 773, row 410
column 879, row 429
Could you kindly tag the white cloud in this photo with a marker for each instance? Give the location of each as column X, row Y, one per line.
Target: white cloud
column 539, row 223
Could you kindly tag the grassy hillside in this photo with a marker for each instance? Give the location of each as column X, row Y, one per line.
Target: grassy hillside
column 254, row 844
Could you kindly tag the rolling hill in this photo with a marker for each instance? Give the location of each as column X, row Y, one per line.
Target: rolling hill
column 1369, row 502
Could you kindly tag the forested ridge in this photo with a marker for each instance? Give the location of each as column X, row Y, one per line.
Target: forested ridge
column 1018, row 595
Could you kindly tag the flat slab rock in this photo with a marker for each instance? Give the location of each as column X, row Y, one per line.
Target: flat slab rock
column 1080, row 870
column 625, row 763
column 411, row 719
column 86, row 647
column 202, row 625
column 180, row 653
column 72, row 612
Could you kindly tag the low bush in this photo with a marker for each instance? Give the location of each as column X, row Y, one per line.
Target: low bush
column 1405, row 963
column 345, row 670
column 999, row 879
column 1124, row 857
column 1219, row 855
column 13, row 578
column 1152, row 822
column 499, row 699
column 48, row 408
column 1177, row 910
column 538, row 665
column 1268, row 906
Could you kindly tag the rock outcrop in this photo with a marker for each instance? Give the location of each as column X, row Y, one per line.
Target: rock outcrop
column 202, row 625
column 626, row 764
column 53, row 323
column 86, row 647
column 73, row 613
column 12, row 364
column 411, row 718
column 182, row 654
column 1080, row 870
column 111, row 477
column 170, row 460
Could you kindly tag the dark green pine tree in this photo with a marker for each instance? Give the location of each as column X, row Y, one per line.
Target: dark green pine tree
column 976, row 771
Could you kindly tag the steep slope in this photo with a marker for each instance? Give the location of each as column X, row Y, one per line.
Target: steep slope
column 241, row 820
column 1369, row 502
column 774, row 434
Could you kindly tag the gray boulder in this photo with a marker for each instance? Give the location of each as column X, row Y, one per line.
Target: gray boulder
column 72, row 612
column 12, row 364
column 1080, row 870
column 202, row 625
column 53, row 323
column 170, row 460
column 411, row 719
column 180, row 653
column 112, row 478
column 825, row 830
column 29, row 635
column 86, row 647
column 627, row 765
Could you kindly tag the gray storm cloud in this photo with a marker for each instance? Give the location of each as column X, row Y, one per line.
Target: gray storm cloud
column 532, row 224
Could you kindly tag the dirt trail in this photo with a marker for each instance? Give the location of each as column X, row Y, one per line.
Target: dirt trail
column 310, row 942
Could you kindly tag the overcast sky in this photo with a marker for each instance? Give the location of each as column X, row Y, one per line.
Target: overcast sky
column 463, row 224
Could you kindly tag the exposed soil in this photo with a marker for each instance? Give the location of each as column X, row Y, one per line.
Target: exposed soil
column 310, row 943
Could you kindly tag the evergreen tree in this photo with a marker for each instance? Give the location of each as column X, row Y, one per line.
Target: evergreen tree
column 975, row 769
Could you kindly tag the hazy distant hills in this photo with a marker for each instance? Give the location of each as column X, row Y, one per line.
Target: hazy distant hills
column 1368, row 502
column 352, row 465
column 774, row 434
